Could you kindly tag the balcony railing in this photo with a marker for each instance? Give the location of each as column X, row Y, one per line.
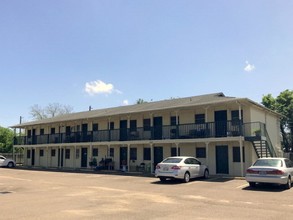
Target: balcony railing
column 184, row 131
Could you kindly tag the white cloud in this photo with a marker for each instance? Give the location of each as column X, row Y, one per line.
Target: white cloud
column 125, row 102
column 100, row 87
column 249, row 67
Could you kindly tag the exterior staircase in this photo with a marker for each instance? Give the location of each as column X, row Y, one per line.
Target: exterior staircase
column 262, row 143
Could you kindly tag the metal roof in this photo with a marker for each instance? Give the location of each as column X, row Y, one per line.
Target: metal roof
column 177, row 103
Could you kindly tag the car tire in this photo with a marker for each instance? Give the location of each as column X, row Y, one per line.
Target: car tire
column 206, row 174
column 10, row 165
column 186, row 178
column 288, row 184
column 252, row 184
column 163, row 179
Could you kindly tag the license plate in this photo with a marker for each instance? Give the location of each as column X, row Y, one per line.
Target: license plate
column 262, row 172
column 165, row 168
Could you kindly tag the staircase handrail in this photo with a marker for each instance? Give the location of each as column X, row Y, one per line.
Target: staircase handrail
column 269, row 143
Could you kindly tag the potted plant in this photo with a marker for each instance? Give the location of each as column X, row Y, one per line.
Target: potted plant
column 257, row 132
column 93, row 162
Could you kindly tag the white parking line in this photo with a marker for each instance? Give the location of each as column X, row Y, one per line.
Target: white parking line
column 242, row 186
column 15, row 178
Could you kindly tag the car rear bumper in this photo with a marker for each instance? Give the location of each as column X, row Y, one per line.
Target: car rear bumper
column 267, row 179
column 175, row 175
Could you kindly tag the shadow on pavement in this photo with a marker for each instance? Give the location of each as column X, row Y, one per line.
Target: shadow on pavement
column 265, row 188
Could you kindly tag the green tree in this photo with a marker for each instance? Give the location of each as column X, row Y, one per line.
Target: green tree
column 283, row 104
column 6, row 140
column 140, row 101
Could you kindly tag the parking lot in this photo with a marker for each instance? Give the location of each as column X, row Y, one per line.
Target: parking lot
column 27, row 194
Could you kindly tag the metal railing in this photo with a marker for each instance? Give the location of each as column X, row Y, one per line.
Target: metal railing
column 183, row 131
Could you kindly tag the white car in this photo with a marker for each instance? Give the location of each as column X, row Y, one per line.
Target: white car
column 5, row 162
column 271, row 170
column 181, row 167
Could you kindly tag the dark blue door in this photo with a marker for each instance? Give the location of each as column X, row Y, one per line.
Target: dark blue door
column 83, row 157
column 158, row 155
column 221, row 123
column 158, row 128
column 123, row 156
column 222, row 159
column 123, row 130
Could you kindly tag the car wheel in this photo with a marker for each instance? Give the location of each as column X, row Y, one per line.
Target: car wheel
column 163, row 179
column 206, row 174
column 289, row 183
column 252, row 184
column 10, row 165
column 186, row 177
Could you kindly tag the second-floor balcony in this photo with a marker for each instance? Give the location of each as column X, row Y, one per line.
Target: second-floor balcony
column 183, row 131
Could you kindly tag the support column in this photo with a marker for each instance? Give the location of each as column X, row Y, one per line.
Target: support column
column 109, row 130
column 152, row 125
column 207, row 152
column 60, row 157
column 241, row 155
column 74, row 157
column 108, row 151
column 91, row 152
column 47, row 154
column 128, row 157
column 206, row 114
column 152, row 157
column 177, row 149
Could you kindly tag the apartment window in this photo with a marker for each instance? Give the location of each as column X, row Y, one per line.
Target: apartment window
column 133, row 153
column 29, row 133
column 28, row 154
column 236, row 154
column 42, row 131
column 174, row 151
column 201, row 152
column 173, row 120
column 53, row 153
column 52, row 130
column 112, row 125
column 147, row 153
column 147, row 124
column 67, row 153
column 77, row 154
column 68, row 130
column 200, row 119
column 111, row 152
column 95, row 152
column 41, row 153
column 133, row 125
column 95, row 127
column 235, row 116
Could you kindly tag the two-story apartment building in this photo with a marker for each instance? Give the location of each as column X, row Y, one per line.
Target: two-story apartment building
column 226, row 133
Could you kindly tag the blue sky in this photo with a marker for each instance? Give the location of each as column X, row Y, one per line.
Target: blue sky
column 107, row 53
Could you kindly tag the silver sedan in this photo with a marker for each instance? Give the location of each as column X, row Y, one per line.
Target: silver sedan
column 270, row 170
column 5, row 162
column 183, row 168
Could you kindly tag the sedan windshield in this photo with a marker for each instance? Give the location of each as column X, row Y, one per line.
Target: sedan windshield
column 172, row 160
column 269, row 163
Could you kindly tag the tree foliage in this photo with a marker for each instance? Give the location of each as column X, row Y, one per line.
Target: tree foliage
column 6, row 140
column 52, row 110
column 283, row 104
column 140, row 101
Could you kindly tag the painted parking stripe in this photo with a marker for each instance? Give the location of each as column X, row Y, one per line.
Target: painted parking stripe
column 242, row 186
